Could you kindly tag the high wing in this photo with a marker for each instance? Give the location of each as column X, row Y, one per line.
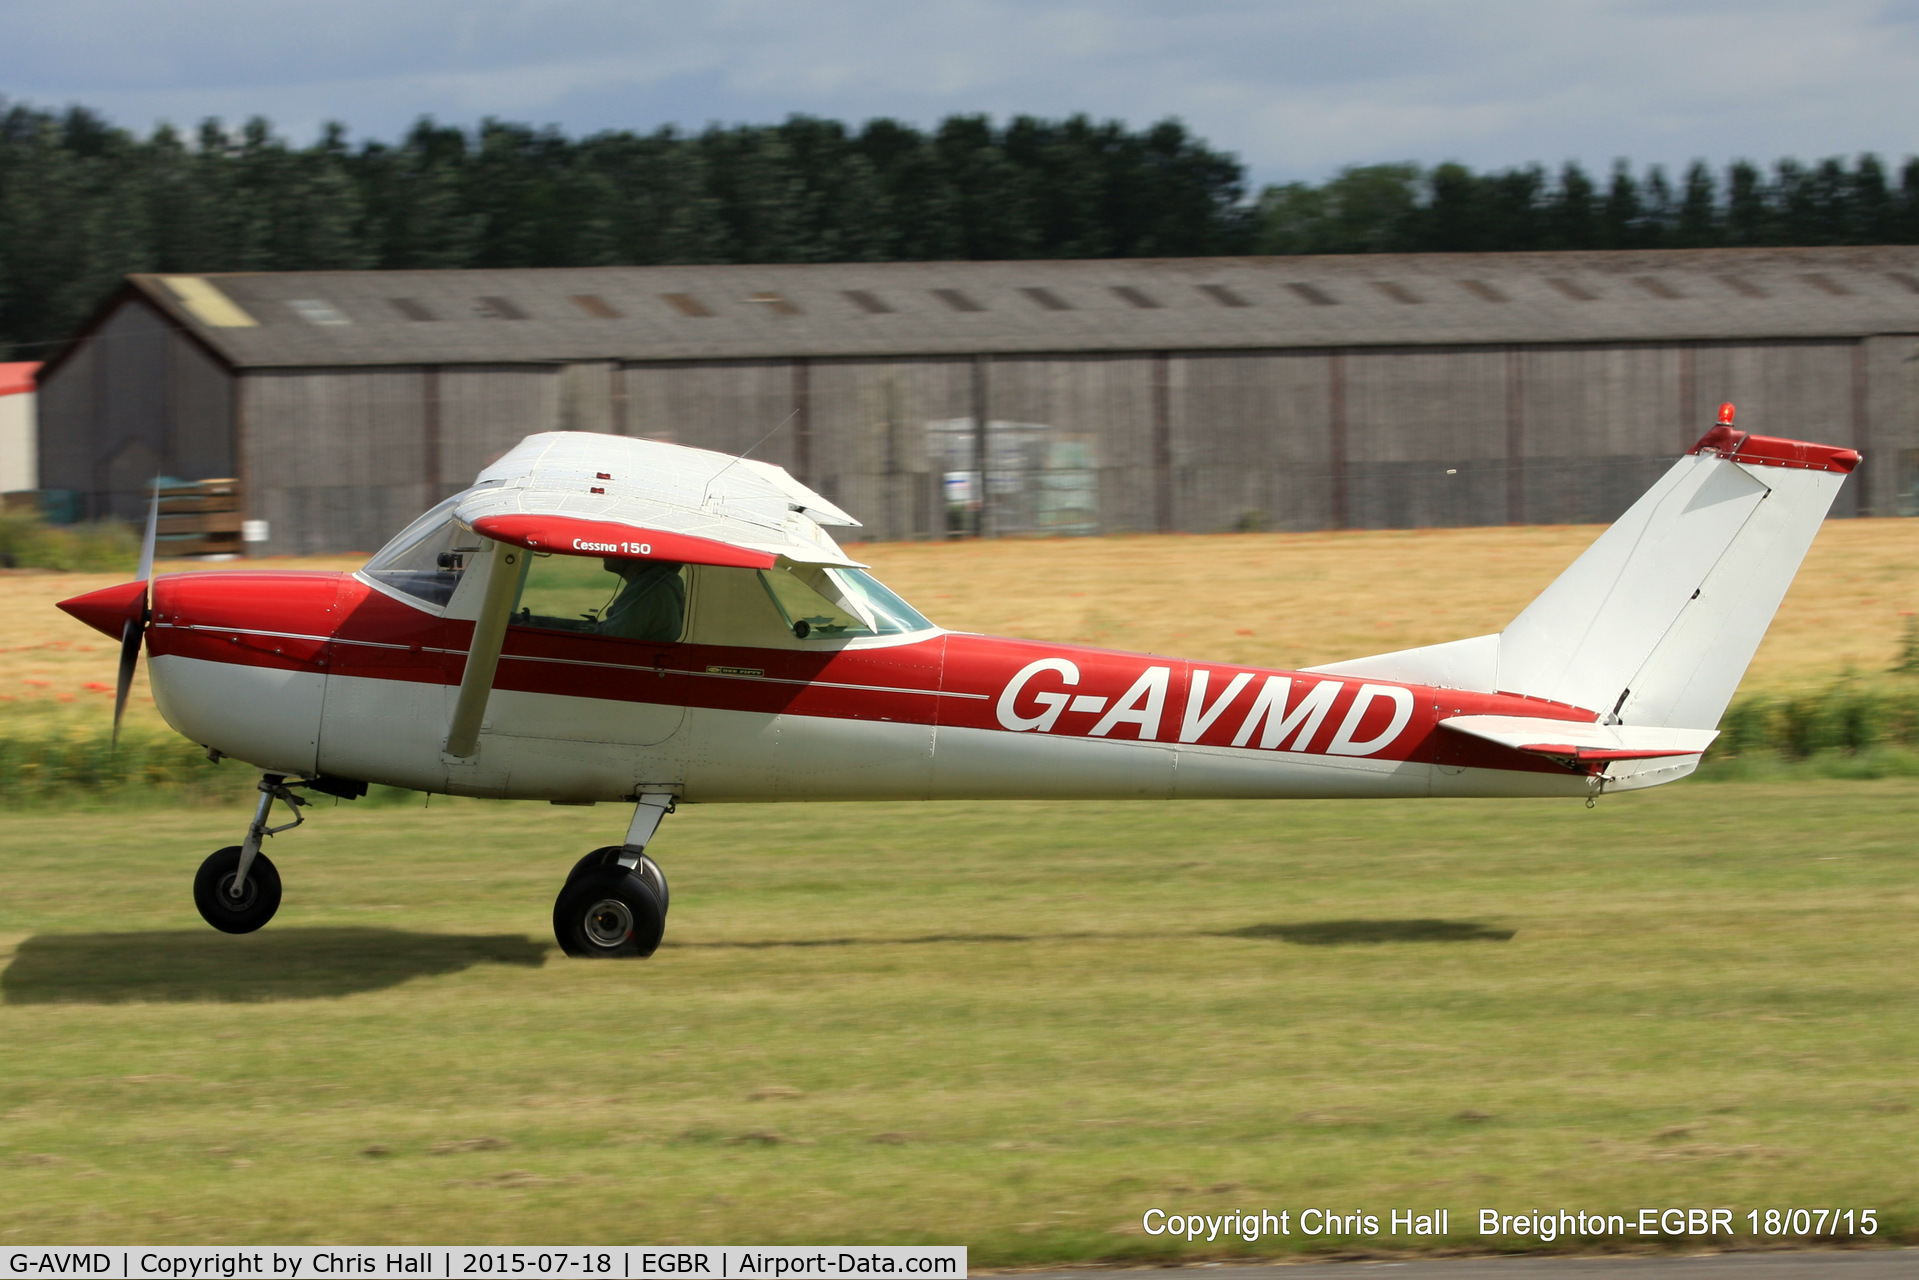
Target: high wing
column 579, row 493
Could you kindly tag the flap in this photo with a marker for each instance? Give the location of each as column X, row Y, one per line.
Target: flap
column 1583, row 741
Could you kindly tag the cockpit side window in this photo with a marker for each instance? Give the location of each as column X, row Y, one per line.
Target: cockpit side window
column 425, row 560
column 825, row 603
column 627, row 599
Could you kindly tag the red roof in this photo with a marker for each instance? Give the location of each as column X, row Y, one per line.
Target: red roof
column 18, row 377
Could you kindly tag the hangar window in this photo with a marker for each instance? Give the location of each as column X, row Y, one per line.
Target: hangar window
column 779, row 304
column 1656, row 287
column 1826, row 284
column 1398, row 292
column 425, row 559
column 1483, row 291
column 627, row 599
column 822, row 603
column 1572, row 289
column 412, row 308
column 596, row 306
column 317, row 311
column 500, row 309
column 1048, row 299
column 1313, row 294
column 957, row 300
column 1901, row 277
column 1134, row 297
column 686, row 304
column 871, row 303
column 1742, row 286
column 1223, row 296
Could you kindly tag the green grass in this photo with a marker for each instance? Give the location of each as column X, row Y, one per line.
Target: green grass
column 28, row 542
column 1011, row 1026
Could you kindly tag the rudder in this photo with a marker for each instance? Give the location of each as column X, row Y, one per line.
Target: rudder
column 1656, row 623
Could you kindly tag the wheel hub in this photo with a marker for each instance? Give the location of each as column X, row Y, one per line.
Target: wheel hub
column 609, row 923
column 244, row 900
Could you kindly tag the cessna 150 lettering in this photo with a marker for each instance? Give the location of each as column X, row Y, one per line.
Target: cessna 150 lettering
column 602, row 618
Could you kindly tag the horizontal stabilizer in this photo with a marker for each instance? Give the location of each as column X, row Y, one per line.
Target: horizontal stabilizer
column 1583, row 742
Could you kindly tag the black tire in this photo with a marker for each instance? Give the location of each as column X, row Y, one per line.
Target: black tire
column 608, row 913
column 648, row 870
column 256, row 904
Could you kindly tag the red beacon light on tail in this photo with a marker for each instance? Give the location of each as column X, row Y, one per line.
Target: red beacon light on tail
column 1728, row 441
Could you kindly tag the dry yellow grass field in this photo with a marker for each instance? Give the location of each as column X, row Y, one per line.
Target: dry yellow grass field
column 1277, row 600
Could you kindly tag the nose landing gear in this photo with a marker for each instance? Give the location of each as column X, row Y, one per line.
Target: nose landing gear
column 614, row 902
column 237, row 889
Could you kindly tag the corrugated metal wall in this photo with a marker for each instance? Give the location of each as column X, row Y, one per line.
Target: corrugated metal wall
column 139, row 399
column 336, row 460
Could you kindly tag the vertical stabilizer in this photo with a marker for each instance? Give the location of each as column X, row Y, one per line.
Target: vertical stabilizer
column 1657, row 621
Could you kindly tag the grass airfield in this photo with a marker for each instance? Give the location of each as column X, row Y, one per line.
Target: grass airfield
column 1015, row 1027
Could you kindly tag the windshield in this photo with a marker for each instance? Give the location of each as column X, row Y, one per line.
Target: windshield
column 824, row 603
column 425, row 560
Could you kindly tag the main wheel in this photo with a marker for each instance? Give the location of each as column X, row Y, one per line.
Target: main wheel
column 257, row 902
column 648, row 870
column 608, row 912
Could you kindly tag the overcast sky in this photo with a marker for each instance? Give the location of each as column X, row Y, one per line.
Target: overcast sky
column 1296, row 88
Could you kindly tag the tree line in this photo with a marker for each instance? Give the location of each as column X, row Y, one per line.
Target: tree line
column 83, row 202
column 1401, row 208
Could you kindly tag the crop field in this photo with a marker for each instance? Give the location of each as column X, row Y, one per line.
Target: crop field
column 1014, row 1026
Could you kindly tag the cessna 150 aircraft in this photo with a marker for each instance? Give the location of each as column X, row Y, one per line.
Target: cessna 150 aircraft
column 601, row 618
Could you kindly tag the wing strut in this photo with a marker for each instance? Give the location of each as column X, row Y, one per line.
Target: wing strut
column 483, row 653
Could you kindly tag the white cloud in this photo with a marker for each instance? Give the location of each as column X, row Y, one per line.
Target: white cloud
column 1296, row 89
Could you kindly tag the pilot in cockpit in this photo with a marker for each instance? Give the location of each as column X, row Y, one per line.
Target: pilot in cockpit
column 651, row 605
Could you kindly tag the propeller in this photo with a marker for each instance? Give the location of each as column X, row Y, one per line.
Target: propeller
column 133, row 634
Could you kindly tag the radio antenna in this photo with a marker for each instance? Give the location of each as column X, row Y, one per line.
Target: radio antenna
column 706, row 492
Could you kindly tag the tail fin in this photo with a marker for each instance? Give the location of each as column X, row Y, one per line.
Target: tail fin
column 1657, row 621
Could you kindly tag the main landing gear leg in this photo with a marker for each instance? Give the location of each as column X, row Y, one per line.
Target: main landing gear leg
column 237, row 889
column 615, row 899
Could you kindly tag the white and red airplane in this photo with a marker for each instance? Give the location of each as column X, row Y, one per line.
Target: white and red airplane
column 602, row 618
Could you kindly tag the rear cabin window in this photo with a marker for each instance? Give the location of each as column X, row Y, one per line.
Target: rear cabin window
column 425, row 560
column 824, row 603
column 625, row 599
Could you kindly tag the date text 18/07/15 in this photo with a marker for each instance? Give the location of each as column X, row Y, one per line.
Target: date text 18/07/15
column 1775, row 1223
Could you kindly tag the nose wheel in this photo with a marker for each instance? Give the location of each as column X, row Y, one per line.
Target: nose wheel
column 258, row 896
column 237, row 889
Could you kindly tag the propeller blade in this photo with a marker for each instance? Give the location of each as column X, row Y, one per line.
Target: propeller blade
column 153, row 534
column 133, row 634
column 130, row 641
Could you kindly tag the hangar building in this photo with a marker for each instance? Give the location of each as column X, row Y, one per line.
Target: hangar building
column 1100, row 396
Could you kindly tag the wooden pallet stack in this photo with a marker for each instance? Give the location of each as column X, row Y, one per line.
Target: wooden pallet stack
column 200, row 518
